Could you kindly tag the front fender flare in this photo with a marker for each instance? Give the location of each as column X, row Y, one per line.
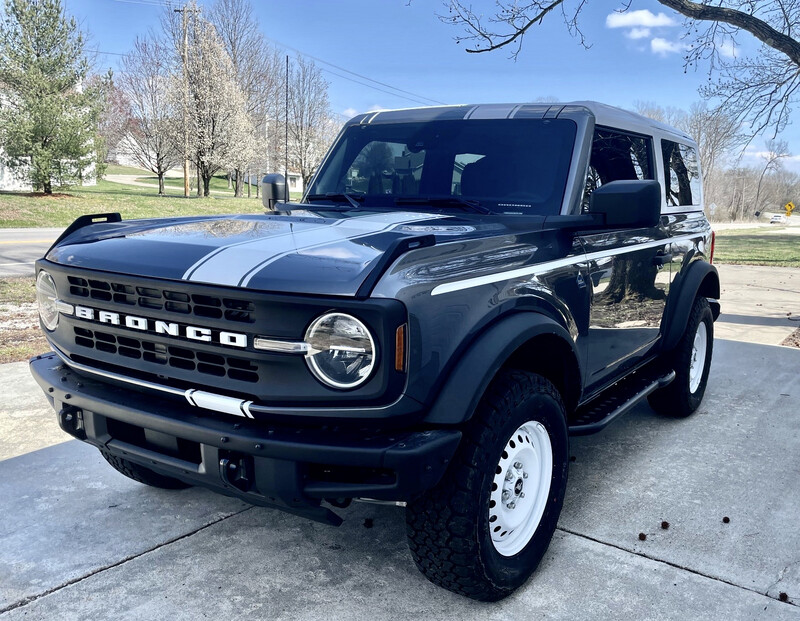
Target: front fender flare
column 467, row 382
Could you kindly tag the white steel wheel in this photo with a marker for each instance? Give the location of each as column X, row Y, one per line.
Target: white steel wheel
column 698, row 357
column 520, row 488
column 691, row 361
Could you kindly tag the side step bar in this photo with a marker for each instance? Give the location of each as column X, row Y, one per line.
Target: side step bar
column 601, row 411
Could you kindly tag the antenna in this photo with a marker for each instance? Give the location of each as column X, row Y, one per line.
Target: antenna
column 286, row 133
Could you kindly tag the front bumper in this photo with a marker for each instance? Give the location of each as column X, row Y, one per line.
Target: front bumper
column 288, row 468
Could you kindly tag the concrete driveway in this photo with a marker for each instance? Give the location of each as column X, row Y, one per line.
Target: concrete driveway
column 79, row 541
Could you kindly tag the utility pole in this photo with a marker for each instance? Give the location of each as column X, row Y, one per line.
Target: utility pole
column 185, row 58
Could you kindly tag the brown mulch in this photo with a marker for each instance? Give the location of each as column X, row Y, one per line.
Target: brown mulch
column 42, row 194
column 20, row 334
column 793, row 340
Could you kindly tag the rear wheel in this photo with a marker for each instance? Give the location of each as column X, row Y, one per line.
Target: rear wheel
column 691, row 360
column 141, row 474
column 484, row 529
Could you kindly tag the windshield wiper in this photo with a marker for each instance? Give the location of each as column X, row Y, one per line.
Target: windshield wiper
column 353, row 199
column 443, row 201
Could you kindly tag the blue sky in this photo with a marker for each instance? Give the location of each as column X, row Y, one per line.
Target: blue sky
column 633, row 57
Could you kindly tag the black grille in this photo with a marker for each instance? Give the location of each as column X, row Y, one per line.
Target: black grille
column 211, row 307
column 174, row 356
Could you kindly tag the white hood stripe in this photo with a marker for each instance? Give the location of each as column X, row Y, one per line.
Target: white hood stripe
column 189, row 272
column 236, row 264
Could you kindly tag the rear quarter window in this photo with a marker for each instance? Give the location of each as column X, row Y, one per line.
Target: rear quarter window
column 681, row 174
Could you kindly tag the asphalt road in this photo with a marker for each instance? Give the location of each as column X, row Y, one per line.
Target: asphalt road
column 19, row 248
column 79, row 541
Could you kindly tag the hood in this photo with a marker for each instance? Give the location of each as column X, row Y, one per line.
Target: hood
column 299, row 253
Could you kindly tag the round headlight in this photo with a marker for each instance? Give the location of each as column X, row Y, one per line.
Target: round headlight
column 341, row 350
column 46, row 296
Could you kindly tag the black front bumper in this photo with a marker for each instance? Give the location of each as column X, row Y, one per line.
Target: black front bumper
column 276, row 466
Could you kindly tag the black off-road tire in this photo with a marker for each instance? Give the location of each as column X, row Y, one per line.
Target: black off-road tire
column 448, row 527
column 141, row 474
column 677, row 399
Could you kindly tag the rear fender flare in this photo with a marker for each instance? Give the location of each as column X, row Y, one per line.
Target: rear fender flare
column 701, row 278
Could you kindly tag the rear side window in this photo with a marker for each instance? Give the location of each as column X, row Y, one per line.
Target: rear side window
column 681, row 174
column 617, row 156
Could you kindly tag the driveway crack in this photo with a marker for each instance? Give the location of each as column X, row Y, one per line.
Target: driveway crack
column 681, row 567
column 99, row 570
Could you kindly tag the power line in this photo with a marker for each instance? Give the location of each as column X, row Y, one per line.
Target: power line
column 363, row 77
column 394, row 91
column 106, row 53
column 344, row 77
column 146, row 2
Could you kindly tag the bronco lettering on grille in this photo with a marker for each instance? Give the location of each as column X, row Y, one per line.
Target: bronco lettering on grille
column 194, row 333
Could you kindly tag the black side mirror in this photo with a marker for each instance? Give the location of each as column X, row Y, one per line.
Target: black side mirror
column 273, row 190
column 627, row 204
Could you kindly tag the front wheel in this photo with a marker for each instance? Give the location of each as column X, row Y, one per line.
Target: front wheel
column 691, row 360
column 484, row 529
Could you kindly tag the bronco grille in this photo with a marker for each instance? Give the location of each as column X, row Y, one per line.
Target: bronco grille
column 207, row 306
column 169, row 355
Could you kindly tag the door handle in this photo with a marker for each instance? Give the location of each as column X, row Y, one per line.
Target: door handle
column 662, row 258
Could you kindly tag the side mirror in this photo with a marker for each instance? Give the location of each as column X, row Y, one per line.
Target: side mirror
column 273, row 190
column 627, row 204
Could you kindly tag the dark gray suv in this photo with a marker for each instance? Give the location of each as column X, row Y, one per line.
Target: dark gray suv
column 460, row 289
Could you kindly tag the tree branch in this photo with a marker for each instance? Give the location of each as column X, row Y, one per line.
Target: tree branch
column 519, row 31
column 755, row 26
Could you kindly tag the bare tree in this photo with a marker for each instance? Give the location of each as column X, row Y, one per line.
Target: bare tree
column 760, row 89
column 716, row 131
column 145, row 81
column 257, row 68
column 114, row 120
column 776, row 150
column 310, row 121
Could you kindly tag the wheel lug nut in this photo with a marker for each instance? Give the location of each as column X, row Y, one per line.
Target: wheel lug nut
column 524, row 475
column 511, row 505
column 509, row 475
column 518, row 465
column 522, row 494
column 506, row 494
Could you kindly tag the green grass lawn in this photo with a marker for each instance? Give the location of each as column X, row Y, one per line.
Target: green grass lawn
column 755, row 247
column 26, row 210
column 17, row 289
column 219, row 183
column 117, row 169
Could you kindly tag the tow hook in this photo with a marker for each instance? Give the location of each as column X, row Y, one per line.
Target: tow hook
column 70, row 419
column 237, row 471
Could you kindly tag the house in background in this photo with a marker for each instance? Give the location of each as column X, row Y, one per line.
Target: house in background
column 12, row 180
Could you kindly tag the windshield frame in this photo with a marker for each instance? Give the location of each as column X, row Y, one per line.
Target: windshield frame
column 344, row 154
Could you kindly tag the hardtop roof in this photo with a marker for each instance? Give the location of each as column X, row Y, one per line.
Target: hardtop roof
column 604, row 114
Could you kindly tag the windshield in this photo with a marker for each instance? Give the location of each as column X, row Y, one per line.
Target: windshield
column 513, row 166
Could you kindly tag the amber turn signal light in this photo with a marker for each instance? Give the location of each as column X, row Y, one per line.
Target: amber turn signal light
column 400, row 349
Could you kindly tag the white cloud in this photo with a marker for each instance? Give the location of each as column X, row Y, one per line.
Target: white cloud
column 641, row 19
column 752, row 154
column 349, row 112
column 662, row 47
column 376, row 108
column 638, row 33
column 727, row 49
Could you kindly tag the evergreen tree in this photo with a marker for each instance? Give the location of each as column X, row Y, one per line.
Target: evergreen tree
column 48, row 119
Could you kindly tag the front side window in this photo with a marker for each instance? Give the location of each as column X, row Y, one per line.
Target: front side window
column 505, row 165
column 617, row 156
column 681, row 174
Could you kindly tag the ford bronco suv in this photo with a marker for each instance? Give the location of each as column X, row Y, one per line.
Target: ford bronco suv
column 459, row 290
